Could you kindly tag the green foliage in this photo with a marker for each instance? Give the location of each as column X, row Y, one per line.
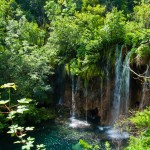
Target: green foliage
column 61, row 7
column 143, row 53
column 35, row 115
column 83, row 145
column 142, row 15
column 137, row 30
column 34, row 10
column 14, row 129
column 142, row 142
column 79, row 33
column 115, row 22
column 82, row 34
column 3, row 122
column 107, row 146
column 141, row 120
column 76, row 42
column 22, row 58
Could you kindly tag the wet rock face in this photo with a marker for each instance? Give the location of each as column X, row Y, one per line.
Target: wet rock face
column 95, row 103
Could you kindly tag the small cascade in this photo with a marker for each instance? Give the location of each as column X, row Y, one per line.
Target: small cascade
column 101, row 90
column 75, row 123
column 125, row 85
column 77, row 87
column 108, row 88
column 75, row 84
column 73, row 98
column 86, row 109
column 117, row 95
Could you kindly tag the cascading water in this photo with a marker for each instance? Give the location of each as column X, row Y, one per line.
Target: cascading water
column 73, row 98
column 108, row 87
column 75, row 123
column 86, row 94
column 101, row 90
column 125, row 85
column 118, row 70
column 75, row 86
column 122, row 85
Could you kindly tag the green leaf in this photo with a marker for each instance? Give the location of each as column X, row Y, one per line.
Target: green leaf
column 21, row 109
column 30, row 139
column 40, row 147
column 24, row 101
column 22, row 135
column 2, row 102
column 28, row 145
column 17, row 142
column 11, row 115
column 12, row 135
column 9, row 85
column 29, row 128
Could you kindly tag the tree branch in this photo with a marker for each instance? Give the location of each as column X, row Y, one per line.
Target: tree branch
column 138, row 74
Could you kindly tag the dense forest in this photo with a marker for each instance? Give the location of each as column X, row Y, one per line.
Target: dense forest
column 76, row 58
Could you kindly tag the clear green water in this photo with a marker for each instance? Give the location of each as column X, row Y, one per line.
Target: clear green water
column 59, row 136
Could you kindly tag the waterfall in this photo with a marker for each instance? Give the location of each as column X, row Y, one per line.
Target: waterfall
column 118, row 70
column 86, row 94
column 108, row 87
column 122, row 85
column 125, row 85
column 77, row 87
column 101, row 90
column 73, row 98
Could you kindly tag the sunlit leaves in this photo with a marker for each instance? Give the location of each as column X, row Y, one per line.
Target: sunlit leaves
column 115, row 21
column 24, row 101
column 60, row 7
column 11, row 115
column 21, row 109
column 142, row 54
column 23, row 60
column 142, row 15
column 13, row 129
column 85, row 145
column 41, row 147
column 9, row 85
column 141, row 120
column 29, row 128
column 28, row 145
column 2, row 102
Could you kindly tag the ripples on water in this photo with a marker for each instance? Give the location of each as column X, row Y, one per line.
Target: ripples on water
column 63, row 135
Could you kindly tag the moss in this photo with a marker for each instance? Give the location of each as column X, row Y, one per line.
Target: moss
column 142, row 54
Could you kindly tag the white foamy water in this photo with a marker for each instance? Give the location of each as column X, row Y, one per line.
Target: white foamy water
column 117, row 134
column 75, row 123
column 104, row 128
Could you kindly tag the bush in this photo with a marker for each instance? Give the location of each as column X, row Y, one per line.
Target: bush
column 141, row 121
